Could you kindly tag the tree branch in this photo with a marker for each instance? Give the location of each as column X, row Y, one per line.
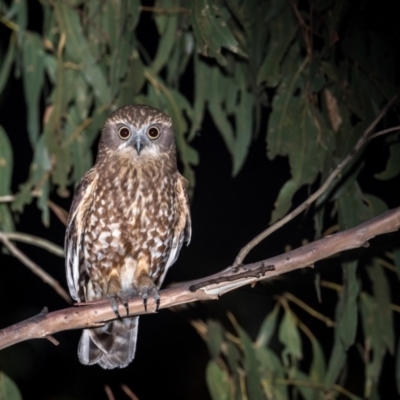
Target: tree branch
column 210, row 288
column 364, row 138
column 41, row 273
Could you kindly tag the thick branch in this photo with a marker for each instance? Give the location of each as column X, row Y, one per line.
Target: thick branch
column 209, row 288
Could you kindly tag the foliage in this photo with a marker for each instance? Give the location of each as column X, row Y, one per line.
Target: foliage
column 316, row 68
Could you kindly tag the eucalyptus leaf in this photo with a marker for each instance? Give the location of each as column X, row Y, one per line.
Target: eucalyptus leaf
column 214, row 337
column 33, row 78
column 8, row 389
column 6, row 163
column 251, row 365
column 393, row 163
column 289, row 336
column 217, row 381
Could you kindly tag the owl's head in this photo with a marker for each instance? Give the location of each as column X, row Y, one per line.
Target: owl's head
column 137, row 131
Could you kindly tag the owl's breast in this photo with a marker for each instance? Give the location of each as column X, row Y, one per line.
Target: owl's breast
column 133, row 213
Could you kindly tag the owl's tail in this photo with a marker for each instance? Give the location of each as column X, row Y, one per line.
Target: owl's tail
column 111, row 346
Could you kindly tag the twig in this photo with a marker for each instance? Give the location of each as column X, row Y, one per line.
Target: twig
column 384, row 132
column 109, row 393
column 129, row 392
column 315, row 386
column 309, row 309
column 7, row 199
column 339, row 168
column 36, row 241
column 98, row 312
column 35, row 268
column 60, row 213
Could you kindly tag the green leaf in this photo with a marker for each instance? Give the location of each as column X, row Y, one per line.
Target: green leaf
column 8, row 389
column 244, row 129
column 33, row 78
column 234, row 360
column 79, row 51
column 211, row 30
column 214, row 337
column 289, row 336
column 296, row 130
column 6, row 163
column 282, row 28
column 318, row 365
column 217, row 381
column 374, row 344
column 267, row 328
column 251, row 365
column 38, row 180
column 271, row 369
column 346, row 320
column 6, row 63
column 167, row 29
column 381, row 289
column 392, row 165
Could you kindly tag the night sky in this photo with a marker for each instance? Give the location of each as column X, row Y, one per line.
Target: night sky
column 227, row 212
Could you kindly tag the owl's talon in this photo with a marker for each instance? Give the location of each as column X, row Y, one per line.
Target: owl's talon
column 114, row 305
column 157, row 303
column 126, row 305
column 147, row 291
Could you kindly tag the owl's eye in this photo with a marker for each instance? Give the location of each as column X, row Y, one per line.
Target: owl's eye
column 124, row 133
column 153, row 133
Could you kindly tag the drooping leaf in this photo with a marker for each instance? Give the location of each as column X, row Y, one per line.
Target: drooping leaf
column 289, row 336
column 251, row 365
column 211, row 30
column 33, row 78
column 271, row 370
column 393, row 163
column 318, row 364
column 267, row 328
column 381, row 289
column 78, row 50
column 217, row 381
column 6, row 169
column 214, row 337
column 6, row 63
column 282, row 30
column 167, row 29
column 373, row 341
column 8, row 389
column 346, row 322
column 6, row 163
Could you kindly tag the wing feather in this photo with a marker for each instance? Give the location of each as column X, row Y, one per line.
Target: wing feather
column 75, row 233
column 183, row 227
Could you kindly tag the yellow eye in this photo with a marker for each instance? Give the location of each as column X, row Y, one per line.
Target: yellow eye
column 124, row 133
column 153, row 132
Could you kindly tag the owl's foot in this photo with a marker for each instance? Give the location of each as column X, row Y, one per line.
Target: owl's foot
column 123, row 298
column 146, row 288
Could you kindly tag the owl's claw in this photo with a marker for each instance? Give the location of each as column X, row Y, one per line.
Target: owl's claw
column 114, row 304
column 153, row 291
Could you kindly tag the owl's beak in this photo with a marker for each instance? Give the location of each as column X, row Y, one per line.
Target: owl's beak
column 139, row 143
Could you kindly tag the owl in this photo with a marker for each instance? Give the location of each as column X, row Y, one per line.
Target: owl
column 128, row 220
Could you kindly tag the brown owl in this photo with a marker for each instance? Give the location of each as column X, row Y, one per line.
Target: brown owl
column 128, row 221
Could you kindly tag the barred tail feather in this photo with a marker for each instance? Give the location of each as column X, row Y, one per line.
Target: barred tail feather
column 110, row 346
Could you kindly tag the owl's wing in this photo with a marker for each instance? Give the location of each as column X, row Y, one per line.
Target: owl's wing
column 73, row 245
column 183, row 228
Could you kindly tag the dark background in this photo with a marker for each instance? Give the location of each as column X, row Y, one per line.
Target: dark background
column 227, row 212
